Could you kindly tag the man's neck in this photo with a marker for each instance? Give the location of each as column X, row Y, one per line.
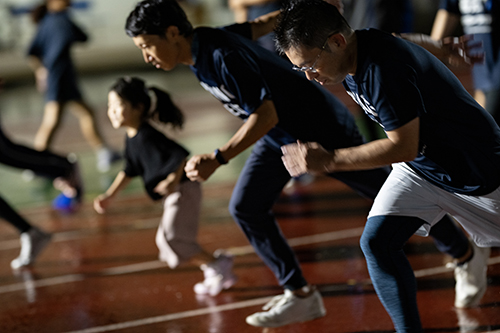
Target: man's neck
column 353, row 53
column 190, row 59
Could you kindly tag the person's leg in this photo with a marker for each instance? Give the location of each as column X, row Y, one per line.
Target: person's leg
column 478, row 215
column 469, row 261
column 10, row 215
column 105, row 155
column 33, row 240
column 88, row 124
column 177, row 243
column 65, row 174
column 450, row 239
column 176, row 237
column 256, row 191
column 447, row 236
column 43, row 163
column 50, row 122
column 404, row 206
column 391, row 273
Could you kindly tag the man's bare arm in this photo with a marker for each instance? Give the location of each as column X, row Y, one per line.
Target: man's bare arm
column 201, row 167
column 400, row 146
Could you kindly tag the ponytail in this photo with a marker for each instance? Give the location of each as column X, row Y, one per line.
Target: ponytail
column 165, row 110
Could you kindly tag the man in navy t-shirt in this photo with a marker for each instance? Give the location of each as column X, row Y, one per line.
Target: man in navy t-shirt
column 279, row 106
column 444, row 148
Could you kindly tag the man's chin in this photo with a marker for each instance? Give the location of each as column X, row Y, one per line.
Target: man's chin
column 333, row 82
column 326, row 83
column 166, row 69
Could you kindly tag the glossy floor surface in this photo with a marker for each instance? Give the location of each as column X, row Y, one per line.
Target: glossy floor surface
column 101, row 274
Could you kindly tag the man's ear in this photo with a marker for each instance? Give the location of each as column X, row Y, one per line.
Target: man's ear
column 338, row 40
column 172, row 32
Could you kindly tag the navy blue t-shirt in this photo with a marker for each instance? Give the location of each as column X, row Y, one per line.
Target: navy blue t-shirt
column 397, row 81
column 152, row 156
column 52, row 43
column 481, row 18
column 242, row 75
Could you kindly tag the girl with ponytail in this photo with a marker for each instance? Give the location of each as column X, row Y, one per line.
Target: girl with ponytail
column 160, row 162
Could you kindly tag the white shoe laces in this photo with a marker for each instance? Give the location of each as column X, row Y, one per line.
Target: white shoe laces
column 277, row 301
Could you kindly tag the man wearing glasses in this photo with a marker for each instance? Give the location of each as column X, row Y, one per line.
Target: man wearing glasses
column 444, row 148
column 278, row 106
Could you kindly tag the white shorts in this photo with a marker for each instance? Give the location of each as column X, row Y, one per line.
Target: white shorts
column 407, row 194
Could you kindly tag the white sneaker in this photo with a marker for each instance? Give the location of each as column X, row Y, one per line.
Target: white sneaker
column 287, row 309
column 218, row 276
column 32, row 244
column 466, row 321
column 471, row 279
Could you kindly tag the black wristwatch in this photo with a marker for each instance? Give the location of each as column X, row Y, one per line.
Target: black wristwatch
column 219, row 157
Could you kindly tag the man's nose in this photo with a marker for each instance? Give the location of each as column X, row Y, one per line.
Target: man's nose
column 310, row 76
column 147, row 58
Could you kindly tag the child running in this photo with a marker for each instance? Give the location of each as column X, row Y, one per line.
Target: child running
column 160, row 162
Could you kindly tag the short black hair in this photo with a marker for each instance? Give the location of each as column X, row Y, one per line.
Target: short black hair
column 153, row 17
column 307, row 23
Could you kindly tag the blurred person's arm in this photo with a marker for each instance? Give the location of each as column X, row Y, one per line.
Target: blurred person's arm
column 40, row 72
column 444, row 25
column 170, row 184
column 102, row 202
column 240, row 8
column 264, row 24
column 454, row 51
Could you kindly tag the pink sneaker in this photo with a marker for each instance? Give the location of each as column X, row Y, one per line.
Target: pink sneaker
column 218, row 276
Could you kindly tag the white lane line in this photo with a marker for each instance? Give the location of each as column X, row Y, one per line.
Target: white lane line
column 133, row 268
column 305, row 240
column 141, row 267
column 65, row 236
column 175, row 316
column 494, row 260
column 42, row 283
column 432, row 271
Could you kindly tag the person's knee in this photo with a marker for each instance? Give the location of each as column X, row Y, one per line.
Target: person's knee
column 376, row 237
column 384, row 234
column 241, row 207
column 370, row 243
column 250, row 214
column 52, row 114
column 235, row 207
column 241, row 211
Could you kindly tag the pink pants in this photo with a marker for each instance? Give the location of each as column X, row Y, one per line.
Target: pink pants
column 178, row 230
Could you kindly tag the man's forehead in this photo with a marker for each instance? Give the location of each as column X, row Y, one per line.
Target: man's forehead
column 145, row 39
column 298, row 55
